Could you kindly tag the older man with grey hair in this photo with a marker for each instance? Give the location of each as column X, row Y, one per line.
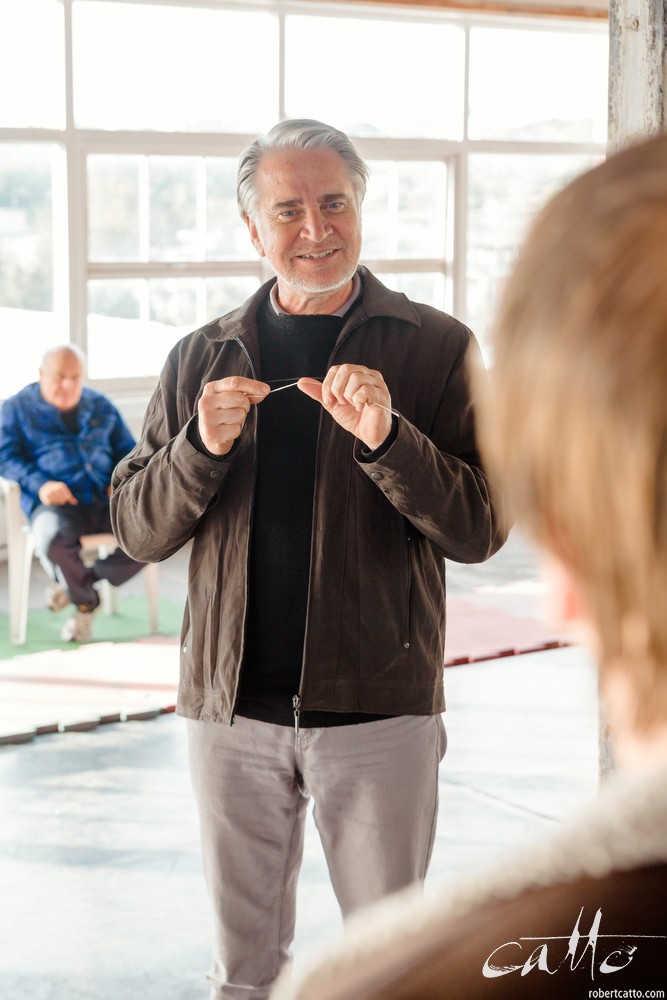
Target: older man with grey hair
column 317, row 445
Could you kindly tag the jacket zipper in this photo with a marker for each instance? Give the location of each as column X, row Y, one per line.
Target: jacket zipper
column 296, row 705
column 296, row 699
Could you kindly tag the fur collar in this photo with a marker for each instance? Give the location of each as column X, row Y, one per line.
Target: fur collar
column 624, row 828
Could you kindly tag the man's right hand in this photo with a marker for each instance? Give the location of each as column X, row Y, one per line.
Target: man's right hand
column 223, row 409
column 53, row 494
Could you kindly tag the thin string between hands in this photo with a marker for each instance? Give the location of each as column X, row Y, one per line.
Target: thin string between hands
column 369, row 402
column 280, row 389
column 389, row 409
column 292, row 384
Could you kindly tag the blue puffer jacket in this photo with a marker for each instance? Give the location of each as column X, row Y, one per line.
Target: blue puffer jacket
column 36, row 445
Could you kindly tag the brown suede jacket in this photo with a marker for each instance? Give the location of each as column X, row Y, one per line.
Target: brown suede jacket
column 381, row 530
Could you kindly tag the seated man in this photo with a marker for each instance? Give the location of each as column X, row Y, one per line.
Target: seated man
column 60, row 442
column 574, row 428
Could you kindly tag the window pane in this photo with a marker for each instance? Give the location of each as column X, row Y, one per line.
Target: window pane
column 504, row 193
column 122, row 341
column 34, row 332
column 227, row 236
column 173, row 302
column 113, row 207
column 225, row 294
column 133, row 324
column 428, row 288
column 174, row 68
column 32, row 74
column 118, row 299
column 26, row 226
column 173, row 209
column 384, row 69
column 404, row 210
column 542, row 85
column 164, row 208
column 31, row 183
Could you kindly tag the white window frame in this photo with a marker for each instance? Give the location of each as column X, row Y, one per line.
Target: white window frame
column 76, row 271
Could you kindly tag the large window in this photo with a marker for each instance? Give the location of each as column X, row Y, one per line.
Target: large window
column 33, row 261
column 118, row 221
column 174, row 68
column 379, row 77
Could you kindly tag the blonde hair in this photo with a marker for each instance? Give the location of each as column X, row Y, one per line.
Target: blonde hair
column 574, row 423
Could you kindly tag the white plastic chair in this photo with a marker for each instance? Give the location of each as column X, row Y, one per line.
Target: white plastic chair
column 20, row 550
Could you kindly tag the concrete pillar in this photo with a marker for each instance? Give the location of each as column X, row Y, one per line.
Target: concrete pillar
column 637, row 85
column 637, row 70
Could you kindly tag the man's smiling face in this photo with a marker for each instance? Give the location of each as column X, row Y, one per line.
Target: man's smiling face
column 307, row 224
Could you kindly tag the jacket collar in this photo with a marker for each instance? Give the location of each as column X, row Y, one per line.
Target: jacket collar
column 376, row 301
column 379, row 301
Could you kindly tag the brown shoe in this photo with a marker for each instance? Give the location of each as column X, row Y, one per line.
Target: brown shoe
column 56, row 597
column 78, row 628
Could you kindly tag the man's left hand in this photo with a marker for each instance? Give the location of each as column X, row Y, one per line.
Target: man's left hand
column 357, row 398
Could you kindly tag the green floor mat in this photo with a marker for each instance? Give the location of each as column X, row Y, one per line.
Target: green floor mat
column 128, row 623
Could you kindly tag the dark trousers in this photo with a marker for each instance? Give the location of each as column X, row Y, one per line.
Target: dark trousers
column 57, row 532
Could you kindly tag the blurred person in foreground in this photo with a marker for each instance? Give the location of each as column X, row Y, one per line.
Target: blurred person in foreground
column 318, row 446
column 60, row 441
column 574, row 427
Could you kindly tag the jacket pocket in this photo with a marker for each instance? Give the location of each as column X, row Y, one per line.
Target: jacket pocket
column 385, row 586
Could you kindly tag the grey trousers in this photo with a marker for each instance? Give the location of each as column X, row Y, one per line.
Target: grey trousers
column 375, row 792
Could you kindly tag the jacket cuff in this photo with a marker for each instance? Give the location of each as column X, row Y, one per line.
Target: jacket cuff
column 366, row 455
column 193, row 436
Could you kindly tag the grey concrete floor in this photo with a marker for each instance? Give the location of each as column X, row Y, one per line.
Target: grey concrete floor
column 102, row 896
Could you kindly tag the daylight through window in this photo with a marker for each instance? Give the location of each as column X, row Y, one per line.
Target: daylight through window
column 118, row 221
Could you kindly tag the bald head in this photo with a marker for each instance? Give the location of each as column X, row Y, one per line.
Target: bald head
column 61, row 376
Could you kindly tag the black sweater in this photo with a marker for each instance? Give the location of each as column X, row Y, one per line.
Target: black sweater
column 290, row 347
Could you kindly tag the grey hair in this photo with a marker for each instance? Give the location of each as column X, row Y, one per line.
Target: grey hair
column 296, row 134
